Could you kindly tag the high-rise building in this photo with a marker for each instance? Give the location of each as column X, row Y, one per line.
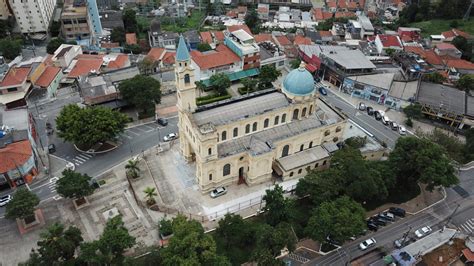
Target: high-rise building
column 4, row 11
column 76, row 24
column 94, row 18
column 33, row 16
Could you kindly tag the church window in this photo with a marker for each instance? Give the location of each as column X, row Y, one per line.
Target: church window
column 247, row 129
column 285, row 151
column 187, row 79
column 324, row 162
column 303, row 113
column 283, row 118
column 295, row 114
column 236, row 132
column 335, row 139
column 210, row 177
column 327, row 133
column 338, row 129
column 310, row 144
column 310, row 109
column 265, row 123
column 301, row 147
column 209, row 151
column 254, row 126
column 226, row 170
column 291, row 173
column 300, row 170
column 277, row 120
column 224, row 135
column 316, row 165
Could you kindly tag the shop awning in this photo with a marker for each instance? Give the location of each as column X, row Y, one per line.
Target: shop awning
column 311, row 68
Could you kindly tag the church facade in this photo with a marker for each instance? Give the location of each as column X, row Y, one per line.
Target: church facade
column 268, row 135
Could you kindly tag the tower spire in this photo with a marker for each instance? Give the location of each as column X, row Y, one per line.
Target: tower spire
column 182, row 54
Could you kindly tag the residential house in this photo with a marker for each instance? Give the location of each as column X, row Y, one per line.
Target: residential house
column 311, row 54
column 300, row 39
column 326, row 36
column 290, row 50
column 320, row 15
column 385, row 42
column 221, row 60
column 263, row 10
column 409, row 34
column 271, row 54
column 82, row 65
column 453, row 33
column 49, row 79
column 111, row 19
column 462, row 66
column 447, row 49
column 65, row 54
column 243, row 44
column 338, row 31
column 192, row 38
column 115, row 61
column 162, row 58
column 367, row 29
column 14, row 87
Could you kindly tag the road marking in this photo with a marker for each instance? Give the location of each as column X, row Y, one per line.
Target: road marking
column 83, row 157
column 77, row 162
column 150, row 127
column 129, row 131
column 138, row 128
column 57, row 197
column 88, row 156
column 79, row 159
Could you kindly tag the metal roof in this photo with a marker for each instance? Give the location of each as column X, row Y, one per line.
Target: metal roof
column 442, row 97
column 382, row 81
column 350, row 59
column 303, row 158
column 242, row 35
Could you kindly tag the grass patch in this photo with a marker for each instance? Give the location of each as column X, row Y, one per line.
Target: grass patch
column 396, row 196
column 212, row 98
column 191, row 23
column 243, row 91
column 436, row 26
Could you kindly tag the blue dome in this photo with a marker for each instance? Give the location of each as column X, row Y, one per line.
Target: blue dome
column 299, row 82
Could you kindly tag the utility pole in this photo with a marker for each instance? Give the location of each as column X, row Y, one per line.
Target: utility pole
column 451, row 216
column 405, row 235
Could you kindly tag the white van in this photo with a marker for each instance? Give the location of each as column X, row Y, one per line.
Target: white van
column 385, row 120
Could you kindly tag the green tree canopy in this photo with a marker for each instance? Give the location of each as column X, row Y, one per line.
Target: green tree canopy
column 420, row 160
column 434, row 77
column 466, row 82
column 189, row 245
column 268, row 74
column 129, row 17
column 220, row 82
column 142, row 91
column 250, row 84
column 118, row 35
column 464, row 46
column 339, row 219
column 274, row 239
column 10, row 48
column 74, row 185
column 413, row 111
column 252, row 20
column 89, row 126
column 203, row 47
column 110, row 246
column 56, row 246
column 295, row 63
column 453, row 146
column 235, row 231
column 22, row 205
column 133, row 48
column 277, row 207
column 54, row 44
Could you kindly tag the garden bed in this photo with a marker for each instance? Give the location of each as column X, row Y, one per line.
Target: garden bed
column 211, row 98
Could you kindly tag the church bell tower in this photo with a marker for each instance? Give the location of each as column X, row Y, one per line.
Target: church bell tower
column 185, row 87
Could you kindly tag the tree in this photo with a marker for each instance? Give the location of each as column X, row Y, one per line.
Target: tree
column 265, row 257
column 268, row 74
column 166, row 227
column 132, row 168
column 203, row 47
column 356, row 142
column 453, row 146
column 10, row 48
column 413, row 111
column 22, row 206
column 389, row 51
column 141, row 91
column 133, row 48
column 277, row 207
column 189, row 245
column 118, row 35
column 150, row 194
column 409, row 122
column 420, row 160
column 6, row 27
column 54, row 44
column 235, row 231
column 56, row 246
column 295, row 63
column 220, row 82
column 274, row 239
column 249, row 84
column 147, row 66
column 74, row 185
column 129, row 17
column 331, row 220
column 434, row 77
column 87, row 127
column 252, row 20
column 200, row 85
column 55, row 28
column 110, row 246
column 466, row 82
column 464, row 46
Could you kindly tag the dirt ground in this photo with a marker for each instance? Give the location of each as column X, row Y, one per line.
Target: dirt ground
column 448, row 253
column 423, row 200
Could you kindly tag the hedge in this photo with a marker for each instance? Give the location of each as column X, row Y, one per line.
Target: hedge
column 243, row 90
column 211, row 98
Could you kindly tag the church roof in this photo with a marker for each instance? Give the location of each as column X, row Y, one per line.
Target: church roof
column 182, row 53
column 299, row 82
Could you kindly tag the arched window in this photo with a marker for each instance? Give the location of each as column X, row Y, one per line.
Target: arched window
column 209, row 151
column 310, row 144
column 254, row 126
column 327, row 133
column 285, row 150
column 310, row 109
column 265, row 123
column 295, row 114
column 277, row 120
column 224, row 135
column 187, row 79
column 226, row 170
column 247, row 129
column 324, row 162
column 301, row 147
column 236, row 132
column 303, row 113
column 316, row 165
column 335, row 139
column 210, row 177
column 291, row 173
column 338, row 128
column 283, row 118
column 300, row 170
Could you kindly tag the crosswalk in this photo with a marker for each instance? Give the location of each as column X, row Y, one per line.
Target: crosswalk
column 81, row 158
column 52, row 186
column 468, row 226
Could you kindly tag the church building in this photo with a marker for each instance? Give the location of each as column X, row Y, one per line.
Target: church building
column 273, row 134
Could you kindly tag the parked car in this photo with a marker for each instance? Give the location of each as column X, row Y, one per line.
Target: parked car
column 385, row 120
column 218, row 192
column 4, row 200
column 170, row 137
column 387, row 216
column 378, row 221
column 402, row 130
column 370, row 110
column 372, row 226
column 162, row 121
column 397, row 211
column 323, row 91
column 377, row 115
column 422, row 232
column 51, row 148
column 394, row 125
column 362, row 106
column 70, row 166
column 403, row 242
column 367, row 243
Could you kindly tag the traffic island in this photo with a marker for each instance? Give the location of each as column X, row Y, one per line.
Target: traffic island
column 27, row 225
column 98, row 148
column 80, row 203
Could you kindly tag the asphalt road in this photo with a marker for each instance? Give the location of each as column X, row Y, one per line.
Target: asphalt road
column 436, row 217
column 369, row 123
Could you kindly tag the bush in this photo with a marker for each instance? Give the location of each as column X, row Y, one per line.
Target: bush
column 409, row 122
column 166, row 227
column 211, row 98
column 243, row 90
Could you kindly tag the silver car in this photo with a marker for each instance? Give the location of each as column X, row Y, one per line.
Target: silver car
column 170, row 137
column 422, row 232
column 218, row 192
column 5, row 200
column 367, row 243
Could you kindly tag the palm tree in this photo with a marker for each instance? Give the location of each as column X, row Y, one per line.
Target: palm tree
column 132, row 168
column 150, row 195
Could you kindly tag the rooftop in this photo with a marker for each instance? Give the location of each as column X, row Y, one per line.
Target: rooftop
column 441, row 97
column 389, row 40
column 14, row 155
column 239, row 27
column 131, row 38
column 445, row 46
column 365, row 22
column 350, row 59
column 48, row 75
column 303, row 158
column 242, row 35
column 220, row 57
column 383, row 81
column 459, row 64
column 85, row 66
column 429, row 242
column 15, row 76
column 120, row 61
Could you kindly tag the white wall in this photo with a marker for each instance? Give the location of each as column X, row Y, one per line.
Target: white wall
column 33, row 16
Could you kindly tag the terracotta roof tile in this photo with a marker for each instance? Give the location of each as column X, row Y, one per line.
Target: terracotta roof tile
column 283, row 40
column 85, row 66
column 239, row 27
column 352, row 5
column 459, row 63
column 262, row 37
column 325, row 33
column 219, row 35
column 389, row 40
column 262, row 9
column 90, row 56
column 221, row 57
column 347, row 14
column 461, row 33
column 169, row 58
column 445, row 46
column 155, row 53
column 48, row 75
column 448, row 34
column 109, row 45
column 131, row 38
column 342, row 4
column 119, row 62
column 206, row 37
column 319, row 14
column 15, row 76
column 432, row 58
column 332, row 4
column 14, row 155
column 299, row 39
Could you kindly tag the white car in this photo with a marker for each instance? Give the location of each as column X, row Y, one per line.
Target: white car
column 362, row 106
column 422, row 232
column 218, row 192
column 70, row 166
column 385, row 120
column 367, row 243
column 170, row 137
column 4, row 200
column 402, row 130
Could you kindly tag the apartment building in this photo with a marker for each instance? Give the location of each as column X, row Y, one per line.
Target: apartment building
column 76, row 24
column 4, row 10
column 32, row 16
